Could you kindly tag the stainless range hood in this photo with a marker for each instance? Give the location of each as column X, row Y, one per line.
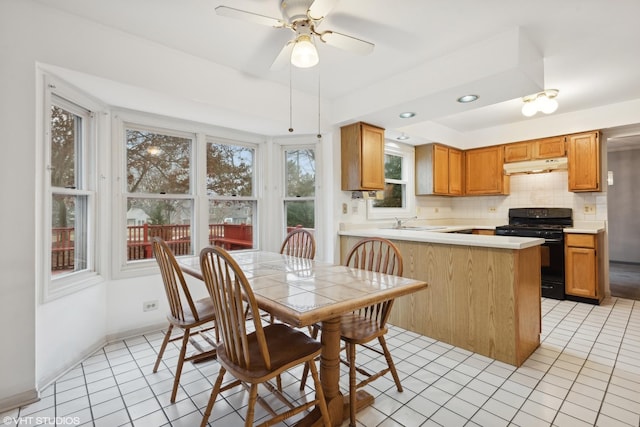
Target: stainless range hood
column 536, row 166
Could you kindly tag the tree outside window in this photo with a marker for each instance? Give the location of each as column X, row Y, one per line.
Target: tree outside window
column 160, row 201
column 69, row 195
column 394, row 187
column 300, row 184
column 232, row 200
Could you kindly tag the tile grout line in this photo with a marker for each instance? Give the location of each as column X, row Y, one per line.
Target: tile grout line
column 86, row 386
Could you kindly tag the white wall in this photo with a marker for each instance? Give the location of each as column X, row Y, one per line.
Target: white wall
column 624, row 206
column 17, row 215
column 67, row 330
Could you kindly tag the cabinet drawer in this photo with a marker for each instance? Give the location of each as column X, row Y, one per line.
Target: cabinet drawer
column 581, row 240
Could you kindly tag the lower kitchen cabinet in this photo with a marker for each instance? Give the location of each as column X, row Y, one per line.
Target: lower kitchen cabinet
column 584, row 267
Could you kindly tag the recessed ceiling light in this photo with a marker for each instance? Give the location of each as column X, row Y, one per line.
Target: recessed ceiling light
column 403, row 137
column 407, row 114
column 467, row 98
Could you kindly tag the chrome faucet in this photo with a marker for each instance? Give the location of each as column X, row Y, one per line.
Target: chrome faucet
column 400, row 221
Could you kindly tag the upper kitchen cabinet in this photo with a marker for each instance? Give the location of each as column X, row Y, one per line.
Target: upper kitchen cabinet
column 584, row 161
column 484, row 171
column 545, row 148
column 518, row 151
column 438, row 170
column 549, row 148
column 362, row 155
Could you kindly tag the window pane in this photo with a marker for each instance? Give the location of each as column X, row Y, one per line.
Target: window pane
column 393, row 196
column 300, row 213
column 167, row 218
column 229, row 170
column 157, row 163
column 300, row 173
column 68, row 233
column 392, row 167
column 231, row 223
column 65, row 135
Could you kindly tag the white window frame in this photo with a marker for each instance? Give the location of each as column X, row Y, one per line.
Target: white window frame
column 58, row 93
column 285, row 198
column 204, row 134
column 254, row 185
column 149, row 264
column 407, row 153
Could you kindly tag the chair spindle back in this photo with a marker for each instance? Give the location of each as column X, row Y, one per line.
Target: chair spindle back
column 231, row 293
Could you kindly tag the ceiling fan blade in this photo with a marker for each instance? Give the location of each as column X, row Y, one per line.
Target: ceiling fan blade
column 249, row 16
column 320, row 8
column 345, row 42
column 284, row 57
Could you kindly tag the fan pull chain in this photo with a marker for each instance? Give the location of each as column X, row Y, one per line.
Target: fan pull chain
column 319, row 135
column 290, row 99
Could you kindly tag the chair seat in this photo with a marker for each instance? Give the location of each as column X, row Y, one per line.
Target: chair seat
column 203, row 306
column 358, row 329
column 287, row 348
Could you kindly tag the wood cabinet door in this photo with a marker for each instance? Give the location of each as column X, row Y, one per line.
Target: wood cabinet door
column 584, row 162
column 372, row 157
column 580, row 272
column 362, row 157
column 518, row 152
column 455, row 172
column 440, row 169
column 548, row 148
column 483, row 170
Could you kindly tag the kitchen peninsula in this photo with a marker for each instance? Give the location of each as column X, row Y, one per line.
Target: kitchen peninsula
column 483, row 294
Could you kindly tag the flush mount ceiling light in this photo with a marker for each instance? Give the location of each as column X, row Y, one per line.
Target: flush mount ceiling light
column 544, row 102
column 403, row 137
column 407, row 114
column 467, row 98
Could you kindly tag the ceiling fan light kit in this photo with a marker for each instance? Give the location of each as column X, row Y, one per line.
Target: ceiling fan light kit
column 302, row 17
column 304, row 53
column 544, row 102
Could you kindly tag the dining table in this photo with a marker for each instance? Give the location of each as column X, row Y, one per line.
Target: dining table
column 302, row 292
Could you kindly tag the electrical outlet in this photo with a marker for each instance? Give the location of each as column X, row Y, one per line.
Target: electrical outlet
column 590, row 209
column 492, row 209
column 344, row 208
column 150, row 305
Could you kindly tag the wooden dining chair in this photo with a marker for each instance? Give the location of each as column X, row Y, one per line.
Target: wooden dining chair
column 365, row 325
column 254, row 354
column 192, row 317
column 299, row 242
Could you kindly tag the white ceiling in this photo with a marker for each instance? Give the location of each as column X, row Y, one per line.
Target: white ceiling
column 426, row 51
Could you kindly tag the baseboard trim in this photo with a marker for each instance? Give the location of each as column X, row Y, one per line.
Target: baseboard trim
column 118, row 336
column 18, row 400
column 46, row 382
column 32, row 396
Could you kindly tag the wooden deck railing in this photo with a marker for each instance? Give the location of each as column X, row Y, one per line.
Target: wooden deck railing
column 177, row 236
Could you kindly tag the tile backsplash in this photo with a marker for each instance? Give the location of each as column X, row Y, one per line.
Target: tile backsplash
column 532, row 190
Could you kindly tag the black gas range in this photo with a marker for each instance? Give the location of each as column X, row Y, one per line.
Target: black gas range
column 547, row 224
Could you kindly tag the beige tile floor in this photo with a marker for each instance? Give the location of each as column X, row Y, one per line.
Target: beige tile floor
column 585, row 373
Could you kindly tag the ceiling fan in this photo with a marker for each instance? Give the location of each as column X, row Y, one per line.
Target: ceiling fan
column 302, row 17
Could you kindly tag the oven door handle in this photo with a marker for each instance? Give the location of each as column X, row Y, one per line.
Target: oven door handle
column 553, row 240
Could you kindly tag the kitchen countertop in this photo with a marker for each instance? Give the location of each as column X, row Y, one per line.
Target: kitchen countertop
column 445, row 235
column 584, row 230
